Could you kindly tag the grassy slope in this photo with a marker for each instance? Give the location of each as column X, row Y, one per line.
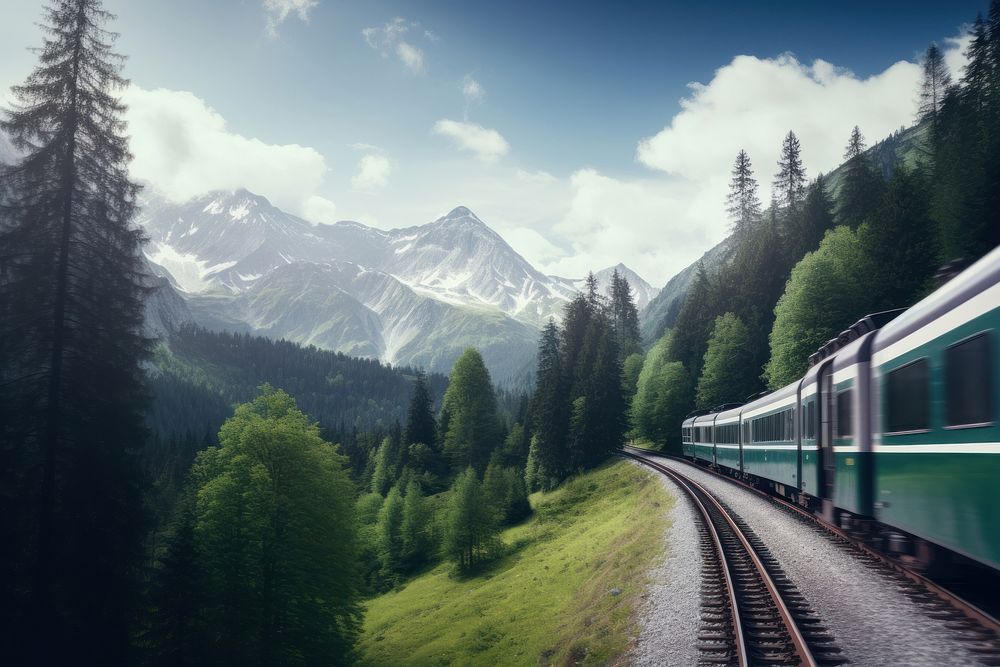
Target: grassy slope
column 548, row 600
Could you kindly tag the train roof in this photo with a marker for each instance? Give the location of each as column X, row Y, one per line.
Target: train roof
column 855, row 352
column 708, row 418
column 729, row 414
column 979, row 277
column 774, row 399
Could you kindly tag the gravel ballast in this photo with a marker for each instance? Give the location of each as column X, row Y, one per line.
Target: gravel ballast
column 669, row 615
column 870, row 618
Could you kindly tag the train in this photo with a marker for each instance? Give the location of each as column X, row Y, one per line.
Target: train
column 893, row 431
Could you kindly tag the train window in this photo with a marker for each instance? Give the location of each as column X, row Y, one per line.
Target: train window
column 844, row 412
column 968, row 381
column 907, row 398
column 811, row 419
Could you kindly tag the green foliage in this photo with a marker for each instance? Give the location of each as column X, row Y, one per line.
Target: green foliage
column 663, row 396
column 728, row 374
column 469, row 421
column 899, row 242
column 631, row 368
column 390, row 533
column 860, row 187
column 415, row 528
column 624, row 316
column 506, row 493
column 828, row 291
column 547, row 601
column 277, row 538
column 470, row 531
column 387, row 465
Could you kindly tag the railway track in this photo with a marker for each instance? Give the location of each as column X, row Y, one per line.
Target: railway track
column 977, row 629
column 751, row 613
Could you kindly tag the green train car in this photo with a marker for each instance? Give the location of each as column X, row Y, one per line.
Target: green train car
column 894, row 428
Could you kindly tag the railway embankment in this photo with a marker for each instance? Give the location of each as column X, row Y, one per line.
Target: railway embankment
column 868, row 612
column 568, row 591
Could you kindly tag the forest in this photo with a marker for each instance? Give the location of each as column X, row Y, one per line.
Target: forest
column 806, row 267
column 221, row 498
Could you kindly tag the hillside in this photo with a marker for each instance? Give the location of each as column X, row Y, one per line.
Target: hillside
column 549, row 600
column 902, row 147
column 199, row 375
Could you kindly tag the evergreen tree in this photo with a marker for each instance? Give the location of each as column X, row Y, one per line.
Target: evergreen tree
column 728, row 374
column 742, row 203
column 473, row 428
column 861, row 186
column 470, row 531
column 807, row 229
column 277, row 539
column 414, row 529
column 624, row 316
column 72, row 391
column 899, row 242
column 386, row 466
column 390, row 533
column 177, row 634
column 936, row 80
column 978, row 68
column 420, row 425
column 790, row 181
column 496, row 490
column 516, row 503
column 690, row 338
column 549, row 409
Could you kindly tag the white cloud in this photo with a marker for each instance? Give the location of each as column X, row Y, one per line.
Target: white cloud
column 410, row 56
column 954, row 51
column 373, row 172
column 279, row 10
column 182, row 147
column 487, row 144
column 472, row 90
column 389, row 39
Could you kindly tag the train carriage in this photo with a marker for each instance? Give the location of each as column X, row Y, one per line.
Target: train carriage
column 810, row 424
column 704, row 438
column 936, row 403
column 727, row 439
column 687, row 443
column 771, row 453
column 851, row 462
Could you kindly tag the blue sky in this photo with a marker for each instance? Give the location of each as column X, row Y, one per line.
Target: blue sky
column 561, row 124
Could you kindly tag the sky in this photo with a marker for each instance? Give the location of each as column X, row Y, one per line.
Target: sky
column 585, row 133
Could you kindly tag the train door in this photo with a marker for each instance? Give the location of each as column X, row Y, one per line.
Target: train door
column 825, row 402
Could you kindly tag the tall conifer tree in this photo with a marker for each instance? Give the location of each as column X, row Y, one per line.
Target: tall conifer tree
column 742, row 203
column 71, row 386
column 790, row 181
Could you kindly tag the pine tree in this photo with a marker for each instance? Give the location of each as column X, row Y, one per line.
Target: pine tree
column 936, row 80
column 861, row 187
column 694, row 323
column 624, row 316
column 549, row 409
column 807, row 230
column 742, row 203
column 390, row 534
column 414, row 529
column 420, row 425
column 472, row 425
column 386, row 466
column 71, row 387
column 470, row 531
column 790, row 181
column 978, row 70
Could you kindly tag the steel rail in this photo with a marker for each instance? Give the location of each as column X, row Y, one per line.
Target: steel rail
column 966, row 608
column 687, row 484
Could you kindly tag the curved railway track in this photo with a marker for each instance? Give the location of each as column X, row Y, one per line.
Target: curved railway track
column 751, row 613
column 978, row 629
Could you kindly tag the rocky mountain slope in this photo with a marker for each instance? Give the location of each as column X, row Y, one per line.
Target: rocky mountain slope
column 416, row 295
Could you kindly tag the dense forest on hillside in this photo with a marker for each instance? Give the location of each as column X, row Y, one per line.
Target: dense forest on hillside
column 826, row 252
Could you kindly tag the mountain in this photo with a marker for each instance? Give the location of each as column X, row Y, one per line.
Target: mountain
column 902, row 147
column 642, row 291
column 415, row 295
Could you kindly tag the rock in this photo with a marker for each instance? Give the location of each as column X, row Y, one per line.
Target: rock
column 615, row 591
